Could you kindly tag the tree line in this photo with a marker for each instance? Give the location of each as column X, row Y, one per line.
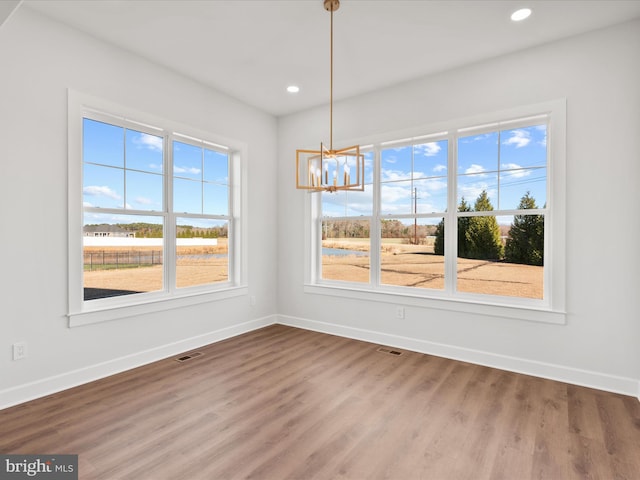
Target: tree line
column 154, row 230
column 480, row 237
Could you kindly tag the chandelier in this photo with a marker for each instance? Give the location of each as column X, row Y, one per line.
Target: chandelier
column 329, row 169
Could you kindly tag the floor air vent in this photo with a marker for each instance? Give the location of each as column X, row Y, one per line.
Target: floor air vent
column 389, row 351
column 188, row 356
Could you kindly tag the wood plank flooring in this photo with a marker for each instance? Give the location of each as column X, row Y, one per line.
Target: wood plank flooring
column 282, row 403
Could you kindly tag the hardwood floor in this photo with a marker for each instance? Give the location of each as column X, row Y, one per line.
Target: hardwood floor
column 283, row 403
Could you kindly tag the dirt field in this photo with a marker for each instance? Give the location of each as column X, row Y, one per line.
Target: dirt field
column 194, row 267
column 416, row 266
column 402, row 265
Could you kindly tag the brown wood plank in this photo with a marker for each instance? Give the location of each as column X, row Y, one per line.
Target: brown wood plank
column 282, row 402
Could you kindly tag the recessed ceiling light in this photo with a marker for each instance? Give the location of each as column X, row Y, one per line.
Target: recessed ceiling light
column 293, row 89
column 521, row 14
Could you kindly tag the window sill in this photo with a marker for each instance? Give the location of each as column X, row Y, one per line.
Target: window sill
column 515, row 312
column 105, row 314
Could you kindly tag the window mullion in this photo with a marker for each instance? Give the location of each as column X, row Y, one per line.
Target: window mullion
column 451, row 219
column 170, row 217
column 374, row 227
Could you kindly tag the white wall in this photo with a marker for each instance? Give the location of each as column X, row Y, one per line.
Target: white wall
column 39, row 60
column 599, row 75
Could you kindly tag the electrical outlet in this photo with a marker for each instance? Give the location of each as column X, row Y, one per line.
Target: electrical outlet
column 400, row 313
column 252, row 300
column 19, row 350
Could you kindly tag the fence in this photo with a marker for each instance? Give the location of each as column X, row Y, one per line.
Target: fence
column 105, row 260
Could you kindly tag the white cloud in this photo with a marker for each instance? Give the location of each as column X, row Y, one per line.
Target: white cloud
column 392, row 175
column 477, row 138
column 153, row 166
column 430, row 149
column 393, row 193
column 101, row 191
column 439, row 168
column 148, row 141
column 510, row 166
column 87, row 204
column 514, row 171
column 519, row 138
column 191, row 170
column 144, row 201
column 471, row 191
column 431, row 185
column 474, row 168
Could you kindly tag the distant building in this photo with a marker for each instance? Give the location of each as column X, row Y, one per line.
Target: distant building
column 107, row 231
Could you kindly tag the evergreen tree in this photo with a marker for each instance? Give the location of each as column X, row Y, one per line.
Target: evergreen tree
column 438, row 244
column 463, row 224
column 463, row 229
column 526, row 236
column 483, row 233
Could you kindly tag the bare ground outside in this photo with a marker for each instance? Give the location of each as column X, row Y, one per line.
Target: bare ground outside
column 417, row 266
column 196, row 265
column 401, row 265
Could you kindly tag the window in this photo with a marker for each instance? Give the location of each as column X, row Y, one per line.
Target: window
column 159, row 212
column 469, row 214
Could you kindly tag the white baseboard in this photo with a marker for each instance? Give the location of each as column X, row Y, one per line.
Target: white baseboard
column 41, row 388
column 585, row 378
column 47, row 386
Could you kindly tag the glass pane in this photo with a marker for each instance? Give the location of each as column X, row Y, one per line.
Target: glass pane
column 396, row 164
column 397, row 197
column 216, row 199
column 345, row 250
column 430, row 159
column 202, row 252
column 408, row 253
column 187, row 161
column 102, row 186
column 144, row 191
column 144, row 152
column 187, row 196
column 478, row 153
column 348, row 204
column 334, row 204
column 524, row 147
column 216, row 167
column 516, row 184
column 430, row 195
column 501, row 255
column 368, row 167
column 102, row 143
column 521, row 149
column 471, row 187
column 123, row 255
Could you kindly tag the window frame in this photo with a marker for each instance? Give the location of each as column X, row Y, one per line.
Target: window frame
column 81, row 312
column 551, row 309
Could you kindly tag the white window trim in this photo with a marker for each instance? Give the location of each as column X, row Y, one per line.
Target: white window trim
column 95, row 311
column 550, row 310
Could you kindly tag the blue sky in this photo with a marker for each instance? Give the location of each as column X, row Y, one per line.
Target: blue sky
column 200, row 174
column 506, row 164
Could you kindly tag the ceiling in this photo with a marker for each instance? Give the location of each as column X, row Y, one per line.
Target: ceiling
column 253, row 49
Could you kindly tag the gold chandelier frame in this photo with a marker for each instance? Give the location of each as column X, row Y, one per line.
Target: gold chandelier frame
column 329, row 169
